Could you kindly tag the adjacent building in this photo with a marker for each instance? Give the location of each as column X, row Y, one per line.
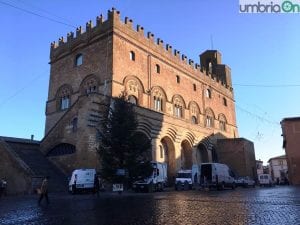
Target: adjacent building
column 259, row 167
column 182, row 106
column 278, row 168
column 291, row 142
column 239, row 154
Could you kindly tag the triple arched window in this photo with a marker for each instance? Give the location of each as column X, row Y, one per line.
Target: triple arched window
column 64, row 97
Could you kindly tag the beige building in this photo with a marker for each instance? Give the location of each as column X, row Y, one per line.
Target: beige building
column 259, row 167
column 291, row 143
column 278, row 168
column 182, row 106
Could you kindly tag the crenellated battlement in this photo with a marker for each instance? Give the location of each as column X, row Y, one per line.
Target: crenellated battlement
column 114, row 21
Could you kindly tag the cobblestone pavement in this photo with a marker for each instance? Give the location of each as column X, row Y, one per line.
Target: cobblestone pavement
column 277, row 205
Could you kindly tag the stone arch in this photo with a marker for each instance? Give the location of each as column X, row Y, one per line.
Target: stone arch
column 169, row 157
column 204, row 150
column 186, row 155
column 134, row 86
column 158, row 99
column 144, row 126
column 89, row 84
column 202, row 155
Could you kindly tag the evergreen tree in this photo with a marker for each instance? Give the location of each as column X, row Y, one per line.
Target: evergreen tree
column 120, row 145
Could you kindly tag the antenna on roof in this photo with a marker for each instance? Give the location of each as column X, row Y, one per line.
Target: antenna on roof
column 211, row 42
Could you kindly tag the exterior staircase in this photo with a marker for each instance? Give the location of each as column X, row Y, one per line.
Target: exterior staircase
column 29, row 152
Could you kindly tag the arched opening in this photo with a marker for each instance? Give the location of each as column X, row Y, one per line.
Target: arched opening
column 62, row 149
column 186, row 155
column 202, row 154
column 170, row 159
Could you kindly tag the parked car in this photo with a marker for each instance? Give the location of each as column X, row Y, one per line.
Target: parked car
column 183, row 180
column 156, row 182
column 265, row 180
column 216, row 175
column 82, row 180
column 245, row 182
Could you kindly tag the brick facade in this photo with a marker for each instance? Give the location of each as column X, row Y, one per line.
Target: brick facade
column 181, row 105
column 239, row 154
column 291, row 143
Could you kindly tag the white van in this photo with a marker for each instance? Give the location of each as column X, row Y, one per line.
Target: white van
column 265, row 180
column 183, row 178
column 156, row 182
column 216, row 175
column 82, row 180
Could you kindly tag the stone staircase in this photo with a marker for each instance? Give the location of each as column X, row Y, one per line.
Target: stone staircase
column 28, row 151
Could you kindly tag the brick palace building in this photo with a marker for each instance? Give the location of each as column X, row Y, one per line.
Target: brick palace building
column 183, row 107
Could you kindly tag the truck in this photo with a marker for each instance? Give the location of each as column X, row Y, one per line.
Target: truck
column 82, row 180
column 156, row 181
column 184, row 180
column 265, row 180
column 216, row 175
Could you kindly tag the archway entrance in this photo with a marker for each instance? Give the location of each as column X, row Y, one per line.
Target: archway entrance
column 202, row 154
column 169, row 158
column 186, row 155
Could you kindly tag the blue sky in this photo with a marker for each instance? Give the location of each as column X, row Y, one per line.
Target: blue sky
column 261, row 50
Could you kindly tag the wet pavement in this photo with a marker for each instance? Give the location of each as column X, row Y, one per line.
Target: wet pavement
column 275, row 205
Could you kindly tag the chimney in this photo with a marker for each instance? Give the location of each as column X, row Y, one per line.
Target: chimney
column 32, row 137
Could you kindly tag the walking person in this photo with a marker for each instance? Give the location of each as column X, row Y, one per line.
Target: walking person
column 96, row 185
column 44, row 191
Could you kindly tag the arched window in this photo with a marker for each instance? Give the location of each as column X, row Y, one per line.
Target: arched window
column 209, row 118
column 65, row 102
column 178, row 106
column 208, row 93
column 194, row 87
column 158, row 103
column 194, row 120
column 132, row 99
column 157, row 67
column 159, row 99
column 209, row 121
column 132, row 55
column 178, row 110
column 222, row 122
column 78, row 60
column 89, row 85
column 64, row 97
column 222, row 125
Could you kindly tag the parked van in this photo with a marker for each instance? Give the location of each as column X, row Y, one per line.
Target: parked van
column 265, row 180
column 82, row 180
column 156, row 182
column 216, row 175
column 183, row 180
